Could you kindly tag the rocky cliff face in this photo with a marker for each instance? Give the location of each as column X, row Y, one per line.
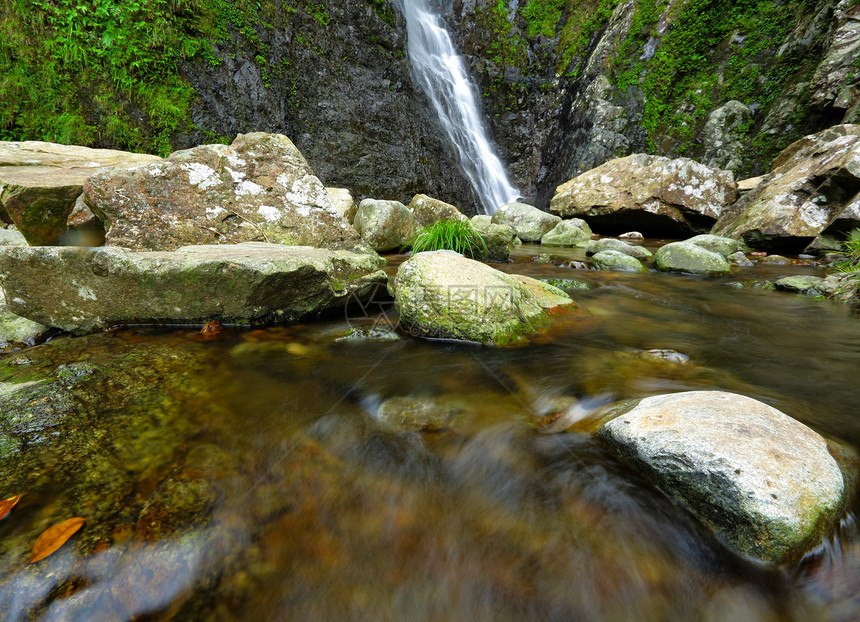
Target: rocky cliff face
column 334, row 77
column 569, row 85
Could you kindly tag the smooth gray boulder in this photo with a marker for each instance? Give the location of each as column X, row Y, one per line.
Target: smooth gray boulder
column 441, row 294
column 571, row 232
column 16, row 331
column 618, row 261
column 385, row 225
column 11, row 237
column 40, row 182
column 82, row 290
column 690, row 259
column 428, row 210
column 530, row 223
column 344, row 204
column 259, row 188
column 611, row 244
column 648, row 193
column 764, row 483
column 717, row 244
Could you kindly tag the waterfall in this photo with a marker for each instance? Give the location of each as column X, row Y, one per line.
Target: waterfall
column 442, row 75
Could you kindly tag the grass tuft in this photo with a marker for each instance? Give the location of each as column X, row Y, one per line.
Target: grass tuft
column 453, row 235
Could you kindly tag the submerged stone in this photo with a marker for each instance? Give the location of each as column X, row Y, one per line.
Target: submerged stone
column 763, row 482
column 84, row 290
column 442, row 294
column 615, row 260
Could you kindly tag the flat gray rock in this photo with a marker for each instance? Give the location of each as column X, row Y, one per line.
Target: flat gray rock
column 765, row 483
column 82, row 290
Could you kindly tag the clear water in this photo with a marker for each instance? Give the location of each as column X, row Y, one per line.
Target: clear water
column 442, row 75
column 251, row 478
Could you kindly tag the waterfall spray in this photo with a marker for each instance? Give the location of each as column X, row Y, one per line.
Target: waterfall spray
column 437, row 67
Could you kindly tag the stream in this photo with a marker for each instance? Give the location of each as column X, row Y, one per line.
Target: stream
column 253, row 477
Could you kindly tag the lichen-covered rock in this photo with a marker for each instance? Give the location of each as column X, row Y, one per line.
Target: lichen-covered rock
column 40, row 182
column 569, row 232
column 260, row 188
column 763, row 482
column 834, row 83
column 611, row 244
column 618, row 261
column 809, row 193
column 385, row 225
column 16, row 331
column 441, row 294
column 690, row 259
column 343, row 203
column 722, row 135
column 648, row 193
column 809, row 285
column 530, row 223
column 428, row 210
column 84, row 290
column 716, row 244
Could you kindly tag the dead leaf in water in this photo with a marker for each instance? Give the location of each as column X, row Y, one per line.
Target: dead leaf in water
column 211, row 331
column 6, row 505
column 55, row 537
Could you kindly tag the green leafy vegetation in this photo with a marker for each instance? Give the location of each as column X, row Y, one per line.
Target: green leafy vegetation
column 384, row 11
column 851, row 264
column 106, row 72
column 453, row 235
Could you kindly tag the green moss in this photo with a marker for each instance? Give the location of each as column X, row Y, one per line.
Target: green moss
column 106, row 72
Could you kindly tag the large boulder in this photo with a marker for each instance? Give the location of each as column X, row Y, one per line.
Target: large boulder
column 652, row 194
column 260, row 188
column 811, row 191
column 441, row 294
column 530, row 223
column 763, row 482
column 385, row 225
column 428, row 210
column 571, row 232
column 40, row 182
column 690, row 259
column 83, row 290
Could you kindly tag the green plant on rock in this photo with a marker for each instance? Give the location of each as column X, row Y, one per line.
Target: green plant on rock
column 850, row 266
column 452, row 235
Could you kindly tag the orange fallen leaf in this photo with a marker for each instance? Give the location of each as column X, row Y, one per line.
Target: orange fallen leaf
column 55, row 537
column 7, row 504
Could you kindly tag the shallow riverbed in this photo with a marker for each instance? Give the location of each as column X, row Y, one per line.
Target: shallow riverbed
column 252, row 478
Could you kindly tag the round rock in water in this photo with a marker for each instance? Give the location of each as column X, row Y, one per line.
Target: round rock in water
column 765, row 483
column 568, row 233
column 691, row 259
column 615, row 260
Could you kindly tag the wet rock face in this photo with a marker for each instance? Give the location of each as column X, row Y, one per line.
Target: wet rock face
column 647, row 193
column 442, row 294
column 84, row 290
column 765, row 483
column 812, row 193
column 40, row 182
column 342, row 91
column 260, row 188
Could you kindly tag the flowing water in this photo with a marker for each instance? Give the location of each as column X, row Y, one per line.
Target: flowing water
column 443, row 76
column 254, row 478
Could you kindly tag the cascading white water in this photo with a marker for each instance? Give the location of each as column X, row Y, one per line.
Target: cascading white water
column 441, row 73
